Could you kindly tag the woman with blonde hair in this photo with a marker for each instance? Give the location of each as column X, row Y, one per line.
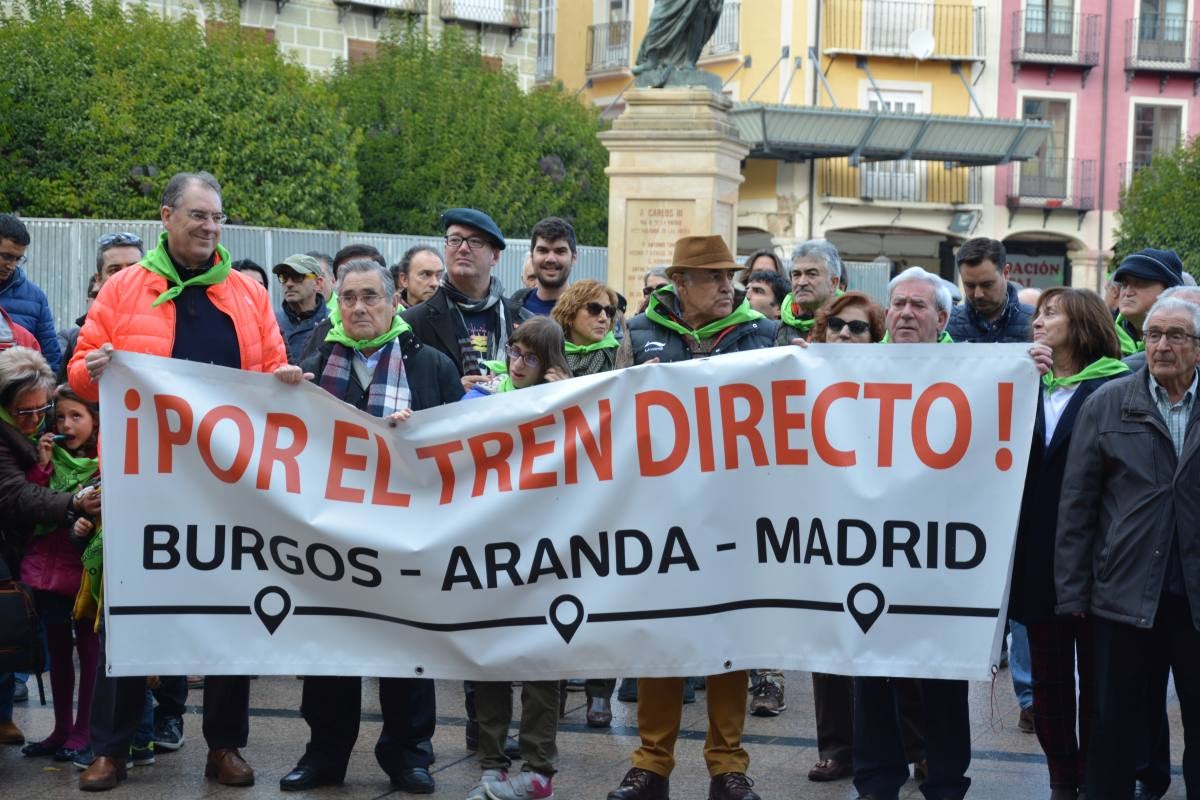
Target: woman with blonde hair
column 587, row 310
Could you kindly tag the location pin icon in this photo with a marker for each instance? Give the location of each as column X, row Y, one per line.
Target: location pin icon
column 865, row 616
column 562, row 618
column 272, row 621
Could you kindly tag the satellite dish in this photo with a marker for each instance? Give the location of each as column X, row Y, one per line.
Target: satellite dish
column 920, row 44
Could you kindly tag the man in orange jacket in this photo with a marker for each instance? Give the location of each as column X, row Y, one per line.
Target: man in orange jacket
column 181, row 300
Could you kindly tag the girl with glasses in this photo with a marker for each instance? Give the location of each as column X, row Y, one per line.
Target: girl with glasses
column 534, row 354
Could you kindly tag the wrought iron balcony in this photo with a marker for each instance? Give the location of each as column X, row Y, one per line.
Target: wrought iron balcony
column 902, row 182
column 883, row 28
column 1162, row 43
column 380, row 8
column 545, row 58
column 608, row 47
column 1049, row 182
column 1057, row 39
column 726, row 39
column 511, row 14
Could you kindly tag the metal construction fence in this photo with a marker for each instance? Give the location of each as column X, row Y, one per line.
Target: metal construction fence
column 62, row 254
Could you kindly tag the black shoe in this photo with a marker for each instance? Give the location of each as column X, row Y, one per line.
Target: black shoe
column 414, row 781
column 168, row 733
column 20, row 692
column 642, row 784
column 1143, row 792
column 306, row 776
column 731, row 786
column 39, row 749
column 627, row 691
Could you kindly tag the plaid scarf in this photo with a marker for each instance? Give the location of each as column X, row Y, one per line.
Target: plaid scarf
column 388, row 391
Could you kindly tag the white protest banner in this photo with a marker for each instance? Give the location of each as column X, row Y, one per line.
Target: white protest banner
column 841, row 509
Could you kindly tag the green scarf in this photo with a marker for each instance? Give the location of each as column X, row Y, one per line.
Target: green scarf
column 93, row 561
column 7, row 417
column 500, row 368
column 741, row 314
column 1100, row 368
column 943, row 338
column 608, row 341
column 338, row 334
column 1128, row 345
column 70, row 473
column 159, row 262
column 788, row 317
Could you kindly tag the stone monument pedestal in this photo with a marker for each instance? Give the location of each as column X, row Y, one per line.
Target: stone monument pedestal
column 674, row 167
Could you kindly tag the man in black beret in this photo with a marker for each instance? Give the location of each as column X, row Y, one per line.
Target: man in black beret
column 1142, row 276
column 468, row 318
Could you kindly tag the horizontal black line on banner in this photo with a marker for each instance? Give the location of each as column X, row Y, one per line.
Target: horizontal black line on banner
column 510, row 622
column 699, row 611
column 130, row 611
column 944, row 611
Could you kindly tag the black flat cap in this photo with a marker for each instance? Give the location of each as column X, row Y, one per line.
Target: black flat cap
column 473, row 218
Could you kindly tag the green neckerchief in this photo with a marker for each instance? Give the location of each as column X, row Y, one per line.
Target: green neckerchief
column 1128, row 345
column 93, row 561
column 788, row 317
column 7, row 417
column 159, row 262
column 332, row 305
column 743, row 313
column 70, row 472
column 943, row 338
column 608, row 341
column 1103, row 367
column 501, row 368
column 338, row 334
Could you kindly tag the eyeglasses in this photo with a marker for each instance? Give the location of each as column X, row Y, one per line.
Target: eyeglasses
column 196, row 215
column 595, row 308
column 531, row 360
column 120, row 240
column 857, row 326
column 473, row 242
column 9, row 258
column 296, row 277
column 350, row 300
column 34, row 412
column 1175, row 336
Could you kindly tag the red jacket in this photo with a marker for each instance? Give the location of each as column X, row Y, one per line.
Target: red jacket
column 51, row 563
column 122, row 315
column 20, row 336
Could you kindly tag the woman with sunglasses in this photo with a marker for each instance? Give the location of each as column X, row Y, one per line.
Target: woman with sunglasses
column 851, row 318
column 587, row 310
column 26, row 384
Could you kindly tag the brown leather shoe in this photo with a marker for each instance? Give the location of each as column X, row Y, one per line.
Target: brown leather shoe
column 599, row 712
column 10, row 733
column 829, row 769
column 642, row 784
column 104, row 774
column 228, row 767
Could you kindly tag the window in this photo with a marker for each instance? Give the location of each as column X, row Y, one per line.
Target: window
column 545, row 42
column 1156, row 129
column 1050, row 27
column 1162, row 25
column 894, row 180
column 890, row 22
column 359, row 50
column 1046, row 174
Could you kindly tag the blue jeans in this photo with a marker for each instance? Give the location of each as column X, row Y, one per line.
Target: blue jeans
column 1019, row 664
column 144, row 734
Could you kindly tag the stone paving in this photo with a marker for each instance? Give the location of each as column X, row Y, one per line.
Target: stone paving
column 1006, row 765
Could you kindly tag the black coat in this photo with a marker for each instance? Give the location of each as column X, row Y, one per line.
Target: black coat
column 1032, row 597
column 431, row 377
column 436, row 324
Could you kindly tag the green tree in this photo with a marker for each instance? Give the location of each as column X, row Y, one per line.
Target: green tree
column 441, row 129
column 100, row 105
column 1161, row 206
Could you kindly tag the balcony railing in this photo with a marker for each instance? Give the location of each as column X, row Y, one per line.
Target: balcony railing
column 608, row 47
column 1050, row 182
column 1057, row 38
column 379, row 8
column 512, row 14
column 1162, row 43
column 884, row 27
column 726, row 38
column 902, row 182
column 545, row 58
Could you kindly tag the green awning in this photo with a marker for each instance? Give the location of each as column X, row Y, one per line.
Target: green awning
column 802, row 133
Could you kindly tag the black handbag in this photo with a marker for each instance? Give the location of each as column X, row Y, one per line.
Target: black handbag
column 20, row 643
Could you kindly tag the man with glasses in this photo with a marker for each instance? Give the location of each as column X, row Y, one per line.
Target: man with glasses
column 114, row 252
column 303, row 307
column 699, row 314
column 1126, row 555
column 23, row 299
column 553, row 252
column 1142, row 277
column 182, row 300
column 468, row 318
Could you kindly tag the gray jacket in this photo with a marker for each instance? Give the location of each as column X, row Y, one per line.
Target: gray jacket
column 1125, row 496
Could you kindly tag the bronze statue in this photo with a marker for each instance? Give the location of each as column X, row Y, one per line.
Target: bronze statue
column 677, row 33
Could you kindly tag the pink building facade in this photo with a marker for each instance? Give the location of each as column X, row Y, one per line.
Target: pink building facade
column 1118, row 81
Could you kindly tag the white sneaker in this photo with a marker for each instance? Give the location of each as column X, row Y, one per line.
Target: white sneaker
column 479, row 791
column 524, row 785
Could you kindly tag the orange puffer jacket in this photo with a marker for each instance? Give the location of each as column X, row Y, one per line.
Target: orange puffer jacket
column 122, row 316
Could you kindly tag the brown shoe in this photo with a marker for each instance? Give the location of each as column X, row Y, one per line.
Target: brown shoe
column 599, row 712
column 829, row 769
column 104, row 774
column 642, row 784
column 228, row 767
column 10, row 733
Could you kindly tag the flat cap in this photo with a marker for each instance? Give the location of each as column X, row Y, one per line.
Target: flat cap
column 476, row 219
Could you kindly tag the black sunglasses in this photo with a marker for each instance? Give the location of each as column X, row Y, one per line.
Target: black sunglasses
column 594, row 309
column 857, row 326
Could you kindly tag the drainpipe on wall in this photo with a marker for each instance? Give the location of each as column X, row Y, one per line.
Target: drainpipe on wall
column 1103, row 145
column 812, row 162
